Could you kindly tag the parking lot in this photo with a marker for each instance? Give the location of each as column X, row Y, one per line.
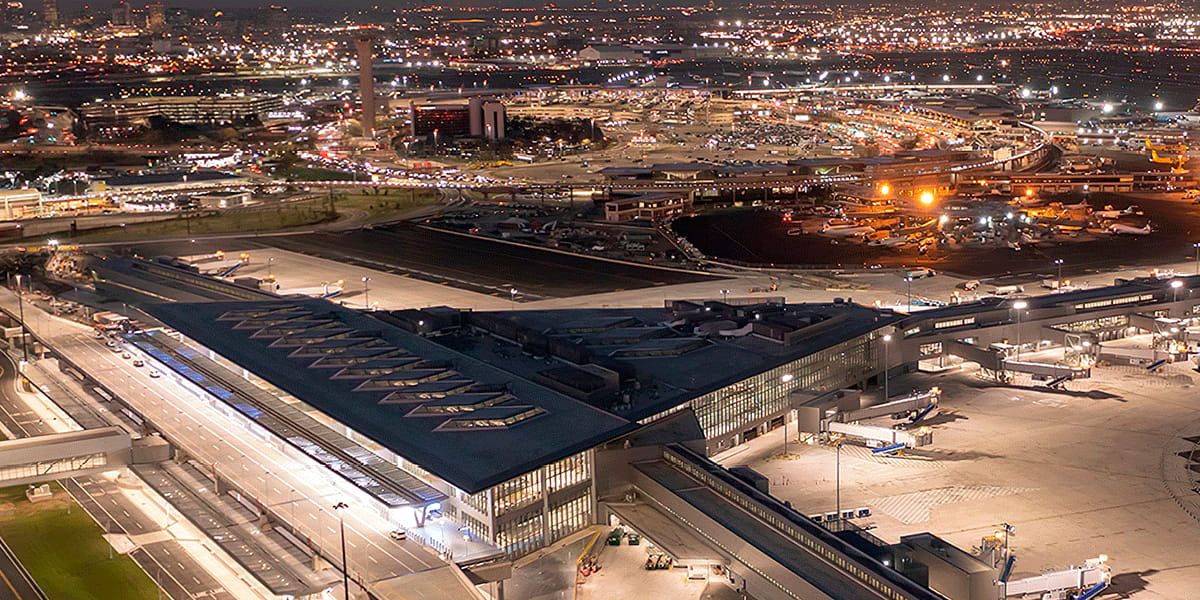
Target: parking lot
column 1088, row 471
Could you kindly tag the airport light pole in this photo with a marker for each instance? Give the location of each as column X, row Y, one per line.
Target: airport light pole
column 367, row 291
column 908, row 280
column 21, row 313
column 838, row 481
column 887, row 338
column 1175, row 285
column 270, row 262
column 1197, row 247
column 1059, row 263
column 1020, row 305
column 725, row 296
column 339, row 507
column 1008, row 531
column 785, row 378
column 512, row 298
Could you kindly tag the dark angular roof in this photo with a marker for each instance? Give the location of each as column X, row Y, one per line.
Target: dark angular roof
column 404, row 395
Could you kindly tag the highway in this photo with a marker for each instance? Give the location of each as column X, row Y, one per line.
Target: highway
column 177, row 573
column 302, row 492
column 15, row 581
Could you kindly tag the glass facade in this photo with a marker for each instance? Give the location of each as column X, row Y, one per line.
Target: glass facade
column 570, row 515
column 1113, row 322
column 568, row 472
column 523, row 535
column 41, row 469
column 751, row 401
column 518, row 492
column 538, row 508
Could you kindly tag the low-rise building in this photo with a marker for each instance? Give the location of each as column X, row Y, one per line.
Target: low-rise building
column 187, row 110
column 646, row 207
column 220, row 199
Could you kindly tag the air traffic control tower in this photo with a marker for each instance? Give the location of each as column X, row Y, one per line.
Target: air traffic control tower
column 365, row 44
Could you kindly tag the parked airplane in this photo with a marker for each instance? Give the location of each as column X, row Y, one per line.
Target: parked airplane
column 1119, row 229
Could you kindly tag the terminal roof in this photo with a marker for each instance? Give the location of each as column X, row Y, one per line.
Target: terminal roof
column 674, row 354
column 463, row 420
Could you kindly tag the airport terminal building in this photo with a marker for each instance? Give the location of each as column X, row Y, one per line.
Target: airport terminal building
column 523, row 427
column 494, row 418
column 416, row 427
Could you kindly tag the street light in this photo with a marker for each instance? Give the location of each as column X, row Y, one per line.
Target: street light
column 908, row 280
column 512, row 298
column 339, row 507
column 1175, row 285
column 725, row 296
column 366, row 281
column 785, row 378
column 887, row 337
column 1008, row 531
column 270, row 262
column 838, row 480
column 21, row 313
column 1197, row 247
column 1020, row 305
column 1059, row 262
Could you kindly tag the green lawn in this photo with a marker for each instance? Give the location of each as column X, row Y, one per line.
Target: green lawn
column 63, row 549
column 379, row 203
column 264, row 220
column 383, row 202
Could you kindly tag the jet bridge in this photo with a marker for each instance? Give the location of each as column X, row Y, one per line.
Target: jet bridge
column 1046, row 370
column 1087, row 580
column 844, row 418
column 987, row 358
column 883, row 435
column 915, row 404
column 1137, row 356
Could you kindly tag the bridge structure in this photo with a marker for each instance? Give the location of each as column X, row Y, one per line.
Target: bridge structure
column 57, row 456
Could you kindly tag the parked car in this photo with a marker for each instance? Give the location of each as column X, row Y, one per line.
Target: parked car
column 614, row 537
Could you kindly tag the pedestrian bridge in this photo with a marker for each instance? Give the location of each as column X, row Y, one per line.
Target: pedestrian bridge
column 63, row 455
